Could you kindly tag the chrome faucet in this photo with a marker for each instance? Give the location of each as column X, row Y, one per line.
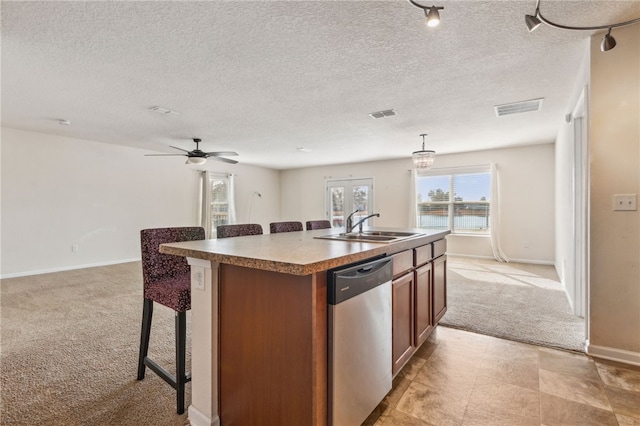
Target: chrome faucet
column 350, row 224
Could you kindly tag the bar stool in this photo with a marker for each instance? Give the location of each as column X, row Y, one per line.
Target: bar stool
column 318, row 224
column 238, row 230
column 276, row 227
column 166, row 280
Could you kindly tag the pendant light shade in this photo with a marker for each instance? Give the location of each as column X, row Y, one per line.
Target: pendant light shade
column 423, row 159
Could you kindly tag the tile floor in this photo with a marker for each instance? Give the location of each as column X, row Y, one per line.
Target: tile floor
column 462, row 378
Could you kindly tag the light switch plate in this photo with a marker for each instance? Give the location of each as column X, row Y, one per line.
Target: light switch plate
column 624, row 202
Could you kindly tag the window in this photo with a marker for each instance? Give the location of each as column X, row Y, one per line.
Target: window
column 217, row 202
column 456, row 200
column 347, row 195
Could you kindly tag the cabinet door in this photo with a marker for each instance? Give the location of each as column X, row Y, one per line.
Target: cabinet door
column 424, row 318
column 439, row 288
column 403, row 342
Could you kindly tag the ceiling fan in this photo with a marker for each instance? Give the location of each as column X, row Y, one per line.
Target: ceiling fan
column 200, row 157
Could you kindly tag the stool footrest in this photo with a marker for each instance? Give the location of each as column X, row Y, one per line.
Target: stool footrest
column 163, row 373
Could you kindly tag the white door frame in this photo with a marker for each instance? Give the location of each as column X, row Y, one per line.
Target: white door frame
column 348, row 184
column 581, row 209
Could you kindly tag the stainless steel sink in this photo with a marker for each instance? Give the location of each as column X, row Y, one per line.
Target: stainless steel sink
column 369, row 236
column 390, row 233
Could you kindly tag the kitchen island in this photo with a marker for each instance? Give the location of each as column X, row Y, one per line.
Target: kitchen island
column 259, row 321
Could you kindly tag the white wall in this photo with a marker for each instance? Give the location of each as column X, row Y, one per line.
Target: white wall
column 527, row 177
column 615, row 169
column 58, row 192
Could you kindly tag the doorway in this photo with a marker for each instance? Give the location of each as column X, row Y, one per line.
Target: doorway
column 345, row 196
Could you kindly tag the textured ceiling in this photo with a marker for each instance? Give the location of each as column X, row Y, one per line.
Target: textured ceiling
column 265, row 78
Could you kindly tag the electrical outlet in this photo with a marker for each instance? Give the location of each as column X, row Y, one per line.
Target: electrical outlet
column 624, row 202
column 197, row 277
column 526, row 244
column 74, row 248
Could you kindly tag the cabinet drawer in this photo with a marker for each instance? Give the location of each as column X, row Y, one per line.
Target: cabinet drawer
column 423, row 254
column 439, row 248
column 402, row 262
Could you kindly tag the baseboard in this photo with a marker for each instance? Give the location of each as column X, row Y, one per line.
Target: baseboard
column 533, row 262
column 471, row 256
column 613, row 354
column 198, row 418
column 530, row 261
column 67, row 268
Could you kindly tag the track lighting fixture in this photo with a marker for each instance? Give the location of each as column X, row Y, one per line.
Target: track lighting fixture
column 423, row 159
column 431, row 13
column 608, row 42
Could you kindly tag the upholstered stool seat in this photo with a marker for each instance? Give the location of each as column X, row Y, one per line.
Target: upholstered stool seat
column 173, row 292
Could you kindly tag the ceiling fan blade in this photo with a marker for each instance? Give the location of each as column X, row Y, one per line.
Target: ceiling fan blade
column 163, row 155
column 226, row 160
column 222, row 153
column 183, row 150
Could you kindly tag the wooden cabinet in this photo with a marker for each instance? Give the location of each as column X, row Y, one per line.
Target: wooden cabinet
column 403, row 324
column 423, row 315
column 439, row 288
column 419, row 298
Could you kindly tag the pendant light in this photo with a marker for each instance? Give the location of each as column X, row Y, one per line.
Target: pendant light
column 423, row 159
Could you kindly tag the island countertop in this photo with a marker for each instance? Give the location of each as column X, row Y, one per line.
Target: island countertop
column 296, row 253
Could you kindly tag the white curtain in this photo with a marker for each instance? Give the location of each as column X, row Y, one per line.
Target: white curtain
column 208, row 220
column 413, row 200
column 495, row 215
column 205, row 204
column 231, row 199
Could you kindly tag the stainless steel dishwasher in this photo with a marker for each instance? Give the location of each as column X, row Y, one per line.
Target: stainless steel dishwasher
column 359, row 303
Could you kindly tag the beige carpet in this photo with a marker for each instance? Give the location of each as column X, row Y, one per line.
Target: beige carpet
column 69, row 348
column 515, row 301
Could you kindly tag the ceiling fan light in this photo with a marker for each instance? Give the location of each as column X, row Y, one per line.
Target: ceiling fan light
column 433, row 17
column 196, row 160
column 608, row 42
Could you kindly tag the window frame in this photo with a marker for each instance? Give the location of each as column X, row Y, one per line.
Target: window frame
column 451, row 172
column 208, row 203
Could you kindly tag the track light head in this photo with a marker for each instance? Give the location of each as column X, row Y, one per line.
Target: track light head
column 532, row 22
column 608, row 42
column 431, row 13
column 433, row 17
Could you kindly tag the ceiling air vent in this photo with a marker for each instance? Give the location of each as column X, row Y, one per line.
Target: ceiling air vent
column 381, row 114
column 519, row 107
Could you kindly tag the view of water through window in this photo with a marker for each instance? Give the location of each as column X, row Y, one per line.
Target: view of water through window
column 459, row 202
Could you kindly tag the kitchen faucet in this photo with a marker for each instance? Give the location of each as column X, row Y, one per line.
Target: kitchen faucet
column 350, row 225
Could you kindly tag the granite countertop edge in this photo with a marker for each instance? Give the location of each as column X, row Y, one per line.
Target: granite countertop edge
column 283, row 252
